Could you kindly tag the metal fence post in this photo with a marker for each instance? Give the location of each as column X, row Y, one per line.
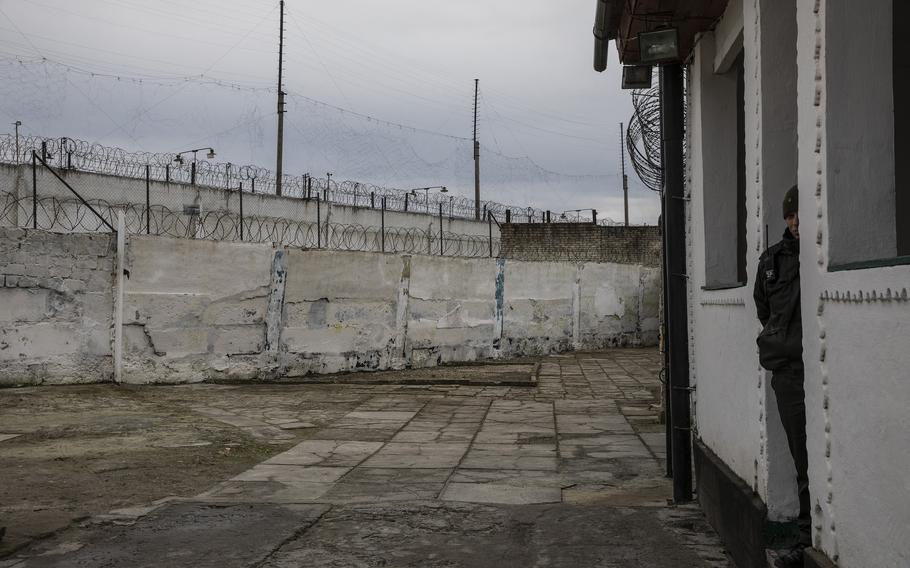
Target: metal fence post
column 372, row 200
column 318, row 222
column 440, row 230
column 148, row 206
column 508, row 215
column 406, row 202
column 34, row 190
column 193, row 173
column 382, row 216
column 490, row 227
column 167, row 173
column 548, row 215
column 594, row 215
column 240, row 191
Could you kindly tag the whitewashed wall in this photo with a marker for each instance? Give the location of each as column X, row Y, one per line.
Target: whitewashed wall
column 856, row 325
column 198, row 310
column 119, row 190
column 735, row 409
column 856, row 321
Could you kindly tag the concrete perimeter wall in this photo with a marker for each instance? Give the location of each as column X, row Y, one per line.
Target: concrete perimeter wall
column 199, row 310
column 17, row 180
column 56, row 307
column 202, row 310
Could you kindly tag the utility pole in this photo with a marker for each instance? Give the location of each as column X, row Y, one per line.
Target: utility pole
column 625, row 178
column 476, row 158
column 280, row 150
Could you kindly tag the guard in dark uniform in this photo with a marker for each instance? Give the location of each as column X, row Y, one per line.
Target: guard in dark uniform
column 780, row 348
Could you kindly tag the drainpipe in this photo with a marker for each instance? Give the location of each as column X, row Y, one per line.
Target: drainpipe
column 672, row 131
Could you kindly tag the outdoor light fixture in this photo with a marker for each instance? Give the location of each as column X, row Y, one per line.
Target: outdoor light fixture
column 426, row 193
column 659, row 45
column 441, row 188
column 636, row 77
column 179, row 157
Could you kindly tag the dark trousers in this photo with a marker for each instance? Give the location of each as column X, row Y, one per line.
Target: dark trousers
column 791, row 404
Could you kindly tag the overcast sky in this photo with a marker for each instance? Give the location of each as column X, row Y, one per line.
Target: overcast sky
column 170, row 75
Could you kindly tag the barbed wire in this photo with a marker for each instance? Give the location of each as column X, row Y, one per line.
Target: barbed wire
column 643, row 137
column 70, row 215
column 71, row 153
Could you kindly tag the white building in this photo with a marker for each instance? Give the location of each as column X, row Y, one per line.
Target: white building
column 813, row 92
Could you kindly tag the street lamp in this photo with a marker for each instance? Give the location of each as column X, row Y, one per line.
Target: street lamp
column 178, row 158
column 426, row 193
column 16, row 125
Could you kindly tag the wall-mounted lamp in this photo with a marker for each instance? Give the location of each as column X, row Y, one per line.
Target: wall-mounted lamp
column 636, row 77
column 659, row 45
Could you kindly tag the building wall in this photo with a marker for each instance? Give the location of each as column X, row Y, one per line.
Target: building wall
column 729, row 395
column 198, row 310
column 581, row 242
column 56, row 307
column 855, row 321
column 856, row 318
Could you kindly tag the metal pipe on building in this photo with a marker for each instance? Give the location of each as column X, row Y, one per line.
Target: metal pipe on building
column 672, row 132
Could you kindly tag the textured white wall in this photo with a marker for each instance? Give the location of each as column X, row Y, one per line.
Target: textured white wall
column 856, row 325
column 856, row 322
column 729, row 388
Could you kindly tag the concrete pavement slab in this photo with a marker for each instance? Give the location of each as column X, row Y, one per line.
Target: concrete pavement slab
column 465, row 535
column 188, row 534
column 326, row 453
column 292, row 473
column 505, row 494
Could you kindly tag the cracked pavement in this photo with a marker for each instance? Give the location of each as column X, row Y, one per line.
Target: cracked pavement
column 568, row 472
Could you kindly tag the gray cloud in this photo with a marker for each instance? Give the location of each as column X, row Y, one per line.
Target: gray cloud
column 409, row 62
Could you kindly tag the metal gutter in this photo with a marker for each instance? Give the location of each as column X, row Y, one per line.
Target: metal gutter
column 606, row 26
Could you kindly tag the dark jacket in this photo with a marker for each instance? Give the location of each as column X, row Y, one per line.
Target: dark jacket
column 780, row 343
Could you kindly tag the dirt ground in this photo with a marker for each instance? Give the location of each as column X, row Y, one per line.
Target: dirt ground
column 85, row 450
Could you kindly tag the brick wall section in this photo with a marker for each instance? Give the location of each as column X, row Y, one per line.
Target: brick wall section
column 56, row 306
column 581, row 242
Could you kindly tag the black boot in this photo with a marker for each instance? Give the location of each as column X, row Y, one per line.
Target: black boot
column 793, row 558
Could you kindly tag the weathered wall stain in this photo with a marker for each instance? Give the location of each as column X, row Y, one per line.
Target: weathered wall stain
column 56, row 307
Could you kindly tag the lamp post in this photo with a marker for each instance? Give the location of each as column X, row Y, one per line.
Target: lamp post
column 426, row 193
column 578, row 213
column 178, row 158
column 16, row 125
